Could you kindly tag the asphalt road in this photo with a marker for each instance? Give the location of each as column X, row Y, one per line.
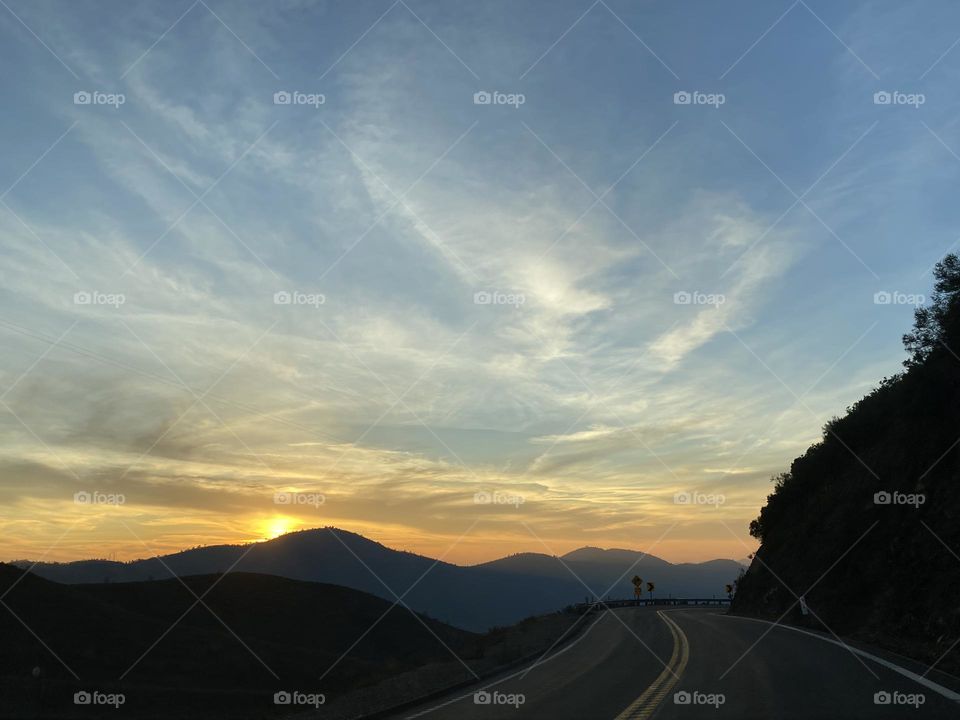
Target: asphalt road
column 641, row 663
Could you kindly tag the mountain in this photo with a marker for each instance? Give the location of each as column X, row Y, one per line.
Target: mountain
column 220, row 654
column 866, row 523
column 476, row 598
column 613, row 556
column 609, row 572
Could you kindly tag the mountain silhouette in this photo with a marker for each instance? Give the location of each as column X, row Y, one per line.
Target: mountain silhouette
column 217, row 658
column 864, row 524
column 476, row 598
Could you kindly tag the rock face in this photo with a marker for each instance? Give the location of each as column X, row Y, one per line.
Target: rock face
column 865, row 524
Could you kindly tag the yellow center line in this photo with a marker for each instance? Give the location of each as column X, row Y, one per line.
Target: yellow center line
column 642, row 708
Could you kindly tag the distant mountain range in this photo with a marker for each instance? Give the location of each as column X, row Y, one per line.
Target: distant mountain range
column 475, row 598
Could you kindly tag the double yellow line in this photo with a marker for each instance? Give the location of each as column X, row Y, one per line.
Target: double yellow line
column 643, row 707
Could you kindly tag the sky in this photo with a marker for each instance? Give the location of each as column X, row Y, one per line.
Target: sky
column 467, row 278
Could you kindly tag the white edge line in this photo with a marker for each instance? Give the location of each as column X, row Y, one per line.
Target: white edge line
column 926, row 682
column 498, row 679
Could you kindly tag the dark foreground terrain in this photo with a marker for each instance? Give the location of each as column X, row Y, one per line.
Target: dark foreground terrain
column 866, row 524
column 226, row 655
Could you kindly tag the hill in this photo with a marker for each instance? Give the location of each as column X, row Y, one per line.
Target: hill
column 478, row 597
column 252, row 636
column 225, row 657
column 608, row 572
column 865, row 523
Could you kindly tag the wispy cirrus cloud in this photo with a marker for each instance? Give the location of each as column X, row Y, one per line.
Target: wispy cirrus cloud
column 592, row 392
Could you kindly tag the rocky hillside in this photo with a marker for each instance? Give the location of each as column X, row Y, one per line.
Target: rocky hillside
column 866, row 524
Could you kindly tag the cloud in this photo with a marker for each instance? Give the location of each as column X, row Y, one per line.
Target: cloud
column 399, row 396
column 753, row 269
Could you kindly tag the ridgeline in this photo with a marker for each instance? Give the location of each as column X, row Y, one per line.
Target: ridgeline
column 866, row 523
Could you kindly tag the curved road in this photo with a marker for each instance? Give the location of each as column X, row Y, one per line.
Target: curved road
column 640, row 663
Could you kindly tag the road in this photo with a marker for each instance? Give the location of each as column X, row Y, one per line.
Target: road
column 641, row 663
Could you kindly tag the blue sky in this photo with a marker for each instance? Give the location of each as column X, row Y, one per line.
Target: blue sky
column 593, row 394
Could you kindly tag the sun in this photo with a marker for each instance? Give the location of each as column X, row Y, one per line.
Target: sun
column 277, row 526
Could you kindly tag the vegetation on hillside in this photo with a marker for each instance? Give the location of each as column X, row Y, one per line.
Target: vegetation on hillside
column 864, row 524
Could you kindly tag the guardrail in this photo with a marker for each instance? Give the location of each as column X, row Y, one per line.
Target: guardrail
column 633, row 602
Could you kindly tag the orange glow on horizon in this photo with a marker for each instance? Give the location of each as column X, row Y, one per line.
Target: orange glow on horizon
column 114, row 543
column 276, row 526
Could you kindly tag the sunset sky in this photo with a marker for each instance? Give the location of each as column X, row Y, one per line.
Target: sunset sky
column 387, row 385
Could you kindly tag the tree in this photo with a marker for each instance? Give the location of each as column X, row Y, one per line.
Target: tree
column 936, row 328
